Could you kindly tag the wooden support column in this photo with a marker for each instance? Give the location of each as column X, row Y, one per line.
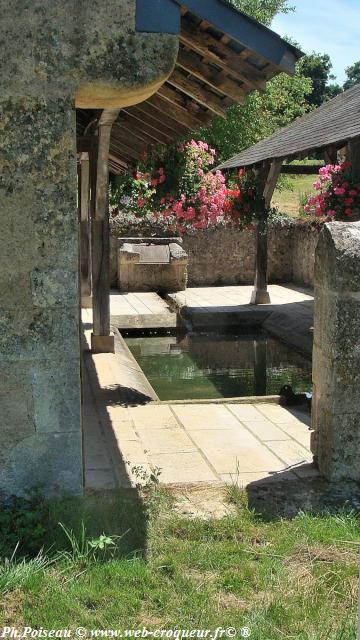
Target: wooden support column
column 330, row 155
column 85, row 249
column 267, row 178
column 353, row 156
column 101, row 339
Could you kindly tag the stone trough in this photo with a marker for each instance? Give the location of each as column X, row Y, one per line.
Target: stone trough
column 151, row 264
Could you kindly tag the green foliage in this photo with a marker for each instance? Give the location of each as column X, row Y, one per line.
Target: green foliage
column 263, row 10
column 15, row 574
column 85, row 550
column 318, row 67
column 283, row 578
column 353, row 75
column 260, row 115
column 22, row 525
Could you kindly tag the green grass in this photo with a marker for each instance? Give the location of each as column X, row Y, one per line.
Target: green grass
column 288, row 199
column 283, row 578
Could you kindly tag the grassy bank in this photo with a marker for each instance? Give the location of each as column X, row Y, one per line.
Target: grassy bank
column 284, row 579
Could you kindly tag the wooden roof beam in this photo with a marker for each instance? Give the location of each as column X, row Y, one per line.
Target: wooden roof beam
column 217, row 80
column 145, row 114
column 133, row 123
column 223, row 56
column 163, row 118
column 178, row 113
column 125, row 150
column 114, row 160
column 194, row 91
column 128, row 139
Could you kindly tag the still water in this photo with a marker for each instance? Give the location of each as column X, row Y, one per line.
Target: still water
column 219, row 365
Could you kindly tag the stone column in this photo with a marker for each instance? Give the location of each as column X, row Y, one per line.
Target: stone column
column 71, row 54
column 336, row 366
column 40, row 436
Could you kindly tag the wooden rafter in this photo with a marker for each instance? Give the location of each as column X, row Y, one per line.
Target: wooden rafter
column 139, row 138
column 300, row 169
column 179, row 114
column 133, row 123
column 125, row 151
column 116, row 161
column 216, row 79
column 127, row 139
column 194, row 91
column 160, row 119
column 206, row 45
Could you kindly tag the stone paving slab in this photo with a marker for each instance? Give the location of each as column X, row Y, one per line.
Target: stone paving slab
column 190, row 443
column 137, row 311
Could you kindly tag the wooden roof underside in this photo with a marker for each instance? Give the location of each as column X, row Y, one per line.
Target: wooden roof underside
column 212, row 72
column 333, row 124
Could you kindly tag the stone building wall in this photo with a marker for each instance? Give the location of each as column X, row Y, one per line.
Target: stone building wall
column 226, row 257
column 53, row 54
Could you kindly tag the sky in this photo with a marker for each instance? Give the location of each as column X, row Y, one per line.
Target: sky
column 325, row 26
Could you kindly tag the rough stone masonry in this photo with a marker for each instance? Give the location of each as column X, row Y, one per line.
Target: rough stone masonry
column 336, row 410
column 54, row 55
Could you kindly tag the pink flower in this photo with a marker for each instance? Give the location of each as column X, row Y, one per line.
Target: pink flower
column 348, row 212
column 317, row 185
column 331, row 212
column 339, row 191
column 353, row 192
column 307, row 208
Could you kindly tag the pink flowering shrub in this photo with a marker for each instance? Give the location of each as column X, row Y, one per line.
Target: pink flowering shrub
column 337, row 197
column 178, row 190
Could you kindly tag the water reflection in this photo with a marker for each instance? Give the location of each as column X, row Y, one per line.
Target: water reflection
column 213, row 365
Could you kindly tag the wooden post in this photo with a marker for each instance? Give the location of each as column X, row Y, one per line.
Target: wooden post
column 85, row 252
column 354, row 157
column 101, row 339
column 330, row 155
column 266, row 182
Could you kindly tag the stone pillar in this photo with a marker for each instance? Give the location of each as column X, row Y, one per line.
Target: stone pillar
column 40, row 435
column 336, row 361
column 72, row 54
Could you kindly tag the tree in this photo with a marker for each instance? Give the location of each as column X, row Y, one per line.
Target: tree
column 318, row 67
column 261, row 114
column 353, row 75
column 263, row 10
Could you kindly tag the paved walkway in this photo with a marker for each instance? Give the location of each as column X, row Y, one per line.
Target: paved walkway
column 231, row 297
column 188, row 443
column 137, row 311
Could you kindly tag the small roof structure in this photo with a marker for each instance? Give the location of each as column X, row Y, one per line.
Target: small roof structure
column 333, row 124
column 223, row 56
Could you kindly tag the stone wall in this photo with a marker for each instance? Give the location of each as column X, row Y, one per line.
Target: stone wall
column 53, row 54
column 226, row 257
column 336, row 356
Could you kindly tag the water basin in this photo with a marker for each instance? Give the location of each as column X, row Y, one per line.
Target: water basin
column 207, row 365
